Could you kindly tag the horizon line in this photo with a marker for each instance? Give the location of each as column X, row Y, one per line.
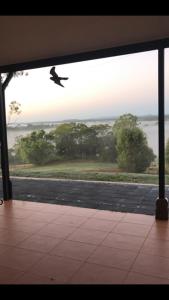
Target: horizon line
column 87, row 119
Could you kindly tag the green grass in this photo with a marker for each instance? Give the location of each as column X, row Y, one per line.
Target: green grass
column 83, row 170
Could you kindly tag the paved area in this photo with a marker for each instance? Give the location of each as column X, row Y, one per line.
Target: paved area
column 41, row 243
column 122, row 197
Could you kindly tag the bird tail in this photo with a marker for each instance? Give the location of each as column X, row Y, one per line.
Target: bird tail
column 64, row 78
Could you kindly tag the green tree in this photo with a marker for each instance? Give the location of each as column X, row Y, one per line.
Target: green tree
column 133, row 153
column 125, row 121
column 74, row 141
column 63, row 138
column 87, row 141
column 35, row 148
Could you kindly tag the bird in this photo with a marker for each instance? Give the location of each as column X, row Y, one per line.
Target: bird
column 56, row 78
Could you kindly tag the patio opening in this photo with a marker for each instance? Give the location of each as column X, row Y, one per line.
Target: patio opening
column 92, row 143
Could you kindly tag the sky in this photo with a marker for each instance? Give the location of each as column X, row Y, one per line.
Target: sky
column 99, row 88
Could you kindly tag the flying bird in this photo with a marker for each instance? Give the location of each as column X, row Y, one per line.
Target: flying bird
column 56, row 78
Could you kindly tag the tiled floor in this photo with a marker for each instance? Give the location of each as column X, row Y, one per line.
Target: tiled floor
column 53, row 244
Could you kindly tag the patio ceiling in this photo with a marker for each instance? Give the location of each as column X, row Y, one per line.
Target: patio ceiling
column 30, row 38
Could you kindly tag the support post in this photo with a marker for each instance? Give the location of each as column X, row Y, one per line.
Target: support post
column 7, row 185
column 161, row 202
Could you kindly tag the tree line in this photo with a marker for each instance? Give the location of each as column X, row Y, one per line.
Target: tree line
column 123, row 143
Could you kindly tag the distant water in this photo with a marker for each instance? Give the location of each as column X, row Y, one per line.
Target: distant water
column 149, row 127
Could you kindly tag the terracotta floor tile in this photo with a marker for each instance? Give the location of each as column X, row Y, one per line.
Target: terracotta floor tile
column 30, row 278
column 152, row 265
column 6, row 211
column 95, row 274
column 19, row 259
column 21, row 225
column 40, row 243
column 132, row 229
column 9, row 275
column 6, row 208
column 31, row 228
column 75, row 250
column 70, row 220
column 156, row 247
column 161, row 223
column 4, row 248
column 6, row 222
column 9, row 203
column 14, row 212
column 53, row 208
column 122, row 241
column 139, row 219
column 109, row 215
column 27, row 205
column 57, row 268
column 24, row 204
column 57, row 230
column 159, row 232
column 79, row 211
column 94, row 237
column 39, row 206
column 112, row 257
column 136, row 278
column 12, row 237
column 99, row 224
column 43, row 217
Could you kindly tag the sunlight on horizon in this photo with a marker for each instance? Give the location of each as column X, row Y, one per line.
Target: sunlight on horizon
column 99, row 88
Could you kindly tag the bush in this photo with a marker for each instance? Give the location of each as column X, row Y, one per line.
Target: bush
column 133, row 153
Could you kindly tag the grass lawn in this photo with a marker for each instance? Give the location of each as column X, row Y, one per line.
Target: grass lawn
column 84, row 170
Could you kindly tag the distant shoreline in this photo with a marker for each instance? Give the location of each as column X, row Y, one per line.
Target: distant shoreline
column 45, row 124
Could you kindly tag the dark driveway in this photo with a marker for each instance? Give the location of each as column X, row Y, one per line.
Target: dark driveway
column 136, row 198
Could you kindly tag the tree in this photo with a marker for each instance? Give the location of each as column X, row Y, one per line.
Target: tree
column 66, row 141
column 107, row 148
column 125, row 121
column 63, row 138
column 35, row 148
column 6, row 77
column 86, row 141
column 133, row 153
column 14, row 109
column 79, row 141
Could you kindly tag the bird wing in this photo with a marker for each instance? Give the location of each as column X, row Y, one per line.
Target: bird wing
column 63, row 78
column 52, row 72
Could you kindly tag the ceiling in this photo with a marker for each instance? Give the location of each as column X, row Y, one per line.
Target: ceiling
column 29, row 38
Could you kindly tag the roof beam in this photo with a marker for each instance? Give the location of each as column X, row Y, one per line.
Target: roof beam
column 96, row 54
